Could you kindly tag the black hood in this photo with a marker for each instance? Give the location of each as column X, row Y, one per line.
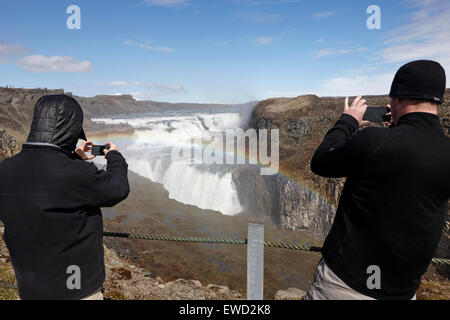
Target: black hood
column 57, row 119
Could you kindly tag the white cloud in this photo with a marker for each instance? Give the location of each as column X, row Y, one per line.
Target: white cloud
column 421, row 3
column 322, row 15
column 358, row 85
column 323, row 53
column 147, row 46
column 114, row 84
column 426, row 36
column 263, row 41
column 360, row 70
column 40, row 63
column 275, row 94
column 9, row 49
column 330, row 52
column 167, row 3
column 145, row 90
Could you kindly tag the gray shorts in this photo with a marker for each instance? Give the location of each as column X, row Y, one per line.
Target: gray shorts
column 328, row 286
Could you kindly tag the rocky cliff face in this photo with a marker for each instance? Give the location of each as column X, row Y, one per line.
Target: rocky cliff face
column 287, row 203
column 295, row 199
column 302, row 209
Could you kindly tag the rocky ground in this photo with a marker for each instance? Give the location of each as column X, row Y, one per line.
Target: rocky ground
column 127, row 281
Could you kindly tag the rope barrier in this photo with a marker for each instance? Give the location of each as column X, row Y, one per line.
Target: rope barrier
column 171, row 238
column 8, row 285
column 281, row 245
column 273, row 244
column 441, row 261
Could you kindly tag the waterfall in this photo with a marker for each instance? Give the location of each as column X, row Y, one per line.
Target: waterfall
column 149, row 154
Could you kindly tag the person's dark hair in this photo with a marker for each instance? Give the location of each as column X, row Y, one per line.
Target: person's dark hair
column 57, row 119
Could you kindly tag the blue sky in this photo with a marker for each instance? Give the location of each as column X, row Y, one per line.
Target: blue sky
column 229, row 51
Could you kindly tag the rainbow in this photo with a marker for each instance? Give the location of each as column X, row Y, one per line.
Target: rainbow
column 127, row 138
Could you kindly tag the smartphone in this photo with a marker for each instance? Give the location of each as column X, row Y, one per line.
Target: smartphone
column 99, row 150
column 377, row 114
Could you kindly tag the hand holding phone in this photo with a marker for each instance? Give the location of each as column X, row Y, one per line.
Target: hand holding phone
column 102, row 150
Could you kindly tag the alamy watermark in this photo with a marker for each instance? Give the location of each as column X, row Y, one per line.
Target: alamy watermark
column 231, row 148
column 374, row 20
column 374, row 281
column 74, row 280
column 74, row 20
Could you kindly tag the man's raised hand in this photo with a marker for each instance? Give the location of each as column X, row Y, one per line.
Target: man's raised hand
column 357, row 110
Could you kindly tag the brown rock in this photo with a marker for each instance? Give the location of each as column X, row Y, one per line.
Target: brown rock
column 124, row 274
column 290, row 294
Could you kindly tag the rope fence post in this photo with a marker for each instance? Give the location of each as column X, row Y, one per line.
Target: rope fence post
column 255, row 261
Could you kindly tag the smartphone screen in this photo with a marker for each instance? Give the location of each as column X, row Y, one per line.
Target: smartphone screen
column 98, row 150
column 376, row 114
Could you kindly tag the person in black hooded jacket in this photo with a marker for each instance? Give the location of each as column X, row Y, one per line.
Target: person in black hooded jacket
column 50, row 200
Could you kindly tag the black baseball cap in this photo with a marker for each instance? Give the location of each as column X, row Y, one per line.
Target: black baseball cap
column 420, row 80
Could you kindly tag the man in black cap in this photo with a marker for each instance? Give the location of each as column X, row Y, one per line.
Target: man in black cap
column 391, row 212
column 50, row 201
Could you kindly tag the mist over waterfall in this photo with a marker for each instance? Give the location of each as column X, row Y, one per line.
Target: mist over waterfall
column 148, row 153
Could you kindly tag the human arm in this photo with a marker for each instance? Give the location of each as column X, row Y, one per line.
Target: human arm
column 342, row 150
column 108, row 188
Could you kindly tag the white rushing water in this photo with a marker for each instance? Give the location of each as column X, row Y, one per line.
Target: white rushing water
column 149, row 155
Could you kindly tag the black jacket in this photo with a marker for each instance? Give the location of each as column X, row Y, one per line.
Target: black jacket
column 50, row 203
column 392, row 208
